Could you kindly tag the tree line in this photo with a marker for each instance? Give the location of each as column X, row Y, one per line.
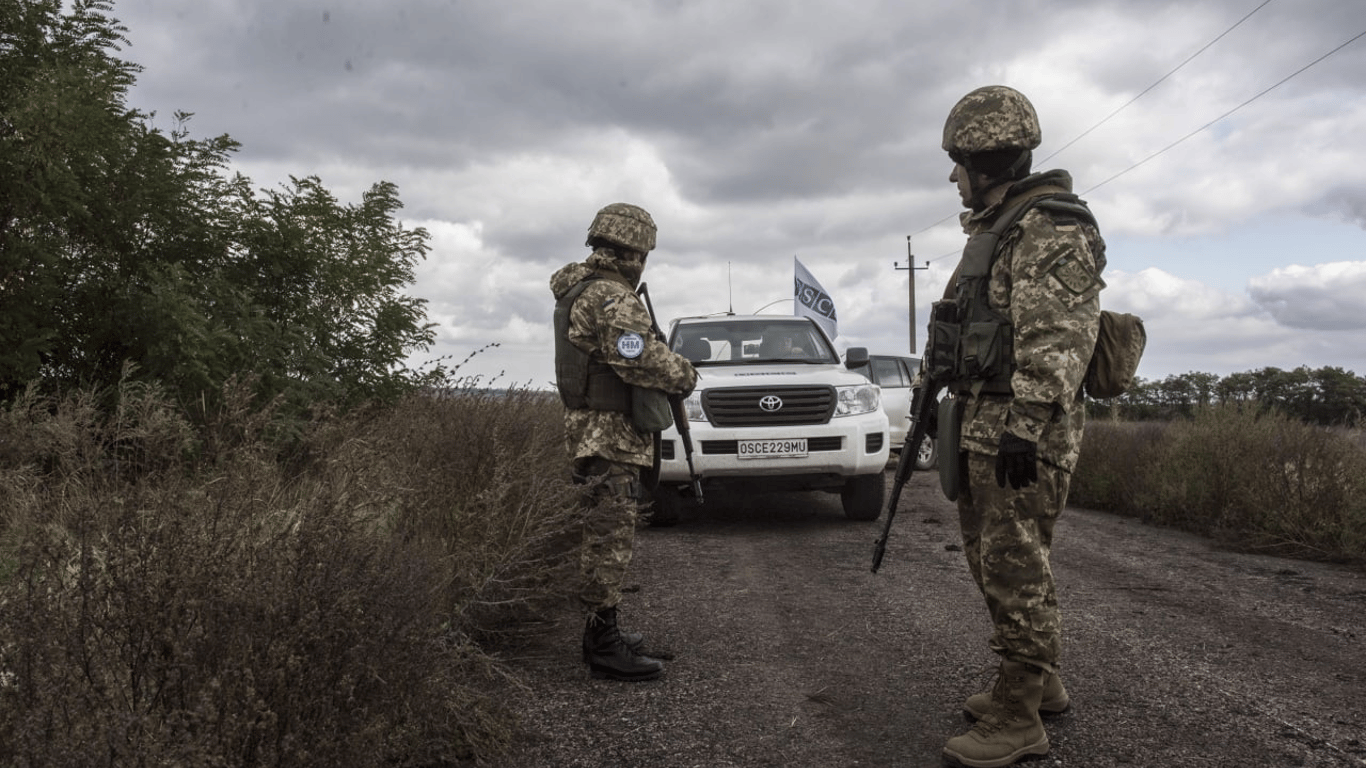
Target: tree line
column 1328, row 396
column 128, row 252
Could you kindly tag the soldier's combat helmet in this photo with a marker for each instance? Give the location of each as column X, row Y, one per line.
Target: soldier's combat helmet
column 991, row 119
column 625, row 225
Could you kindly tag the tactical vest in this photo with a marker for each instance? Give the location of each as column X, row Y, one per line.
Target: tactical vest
column 582, row 381
column 971, row 346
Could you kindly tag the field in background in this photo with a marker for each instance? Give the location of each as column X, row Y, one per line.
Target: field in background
column 217, row 591
column 1257, row 481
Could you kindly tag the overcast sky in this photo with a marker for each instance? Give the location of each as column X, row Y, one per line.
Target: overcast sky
column 1233, row 199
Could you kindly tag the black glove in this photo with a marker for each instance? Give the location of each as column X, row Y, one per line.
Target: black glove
column 1017, row 461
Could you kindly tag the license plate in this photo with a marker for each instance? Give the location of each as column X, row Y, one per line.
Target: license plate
column 794, row 448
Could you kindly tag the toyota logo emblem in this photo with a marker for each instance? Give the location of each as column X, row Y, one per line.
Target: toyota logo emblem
column 770, row 403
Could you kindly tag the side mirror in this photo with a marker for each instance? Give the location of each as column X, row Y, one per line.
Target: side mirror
column 856, row 357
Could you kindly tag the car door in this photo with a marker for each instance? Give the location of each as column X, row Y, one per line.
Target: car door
column 891, row 374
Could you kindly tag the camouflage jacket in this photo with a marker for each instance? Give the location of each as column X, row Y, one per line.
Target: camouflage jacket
column 606, row 313
column 1046, row 279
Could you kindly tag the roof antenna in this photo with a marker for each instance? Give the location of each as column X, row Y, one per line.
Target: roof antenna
column 730, row 292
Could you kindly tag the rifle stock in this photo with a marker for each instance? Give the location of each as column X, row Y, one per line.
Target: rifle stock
column 680, row 412
column 926, row 397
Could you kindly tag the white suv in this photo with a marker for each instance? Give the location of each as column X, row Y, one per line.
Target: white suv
column 894, row 374
column 775, row 410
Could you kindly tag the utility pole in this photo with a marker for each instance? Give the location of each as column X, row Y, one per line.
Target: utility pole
column 911, row 269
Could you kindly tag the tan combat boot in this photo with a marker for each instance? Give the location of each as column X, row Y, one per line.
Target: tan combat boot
column 1011, row 729
column 1055, row 699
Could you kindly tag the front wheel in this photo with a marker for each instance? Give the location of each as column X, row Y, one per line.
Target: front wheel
column 862, row 497
column 928, row 454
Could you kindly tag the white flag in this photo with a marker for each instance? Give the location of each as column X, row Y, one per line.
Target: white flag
column 812, row 301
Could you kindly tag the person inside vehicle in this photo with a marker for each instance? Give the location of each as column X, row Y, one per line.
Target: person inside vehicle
column 781, row 346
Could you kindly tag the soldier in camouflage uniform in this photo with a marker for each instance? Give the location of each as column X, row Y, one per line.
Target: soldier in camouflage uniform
column 607, row 363
column 1022, row 415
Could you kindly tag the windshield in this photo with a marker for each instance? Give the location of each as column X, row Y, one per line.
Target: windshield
column 779, row 340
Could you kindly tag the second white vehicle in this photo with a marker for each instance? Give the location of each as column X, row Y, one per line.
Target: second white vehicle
column 894, row 374
column 775, row 410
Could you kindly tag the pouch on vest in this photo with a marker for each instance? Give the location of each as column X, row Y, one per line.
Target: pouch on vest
column 950, row 440
column 987, row 350
column 606, row 391
column 941, row 351
column 650, row 411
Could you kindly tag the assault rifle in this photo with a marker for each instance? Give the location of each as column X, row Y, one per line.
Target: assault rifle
column 680, row 412
column 925, row 399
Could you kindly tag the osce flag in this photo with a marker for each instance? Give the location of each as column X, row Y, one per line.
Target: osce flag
column 812, row 301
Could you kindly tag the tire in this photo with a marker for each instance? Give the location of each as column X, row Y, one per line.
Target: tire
column 862, row 497
column 928, row 455
column 667, row 507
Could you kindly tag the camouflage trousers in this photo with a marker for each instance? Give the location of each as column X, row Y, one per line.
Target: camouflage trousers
column 1007, row 539
column 611, row 504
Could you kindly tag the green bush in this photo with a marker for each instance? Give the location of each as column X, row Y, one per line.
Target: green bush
column 173, row 596
column 1260, row 480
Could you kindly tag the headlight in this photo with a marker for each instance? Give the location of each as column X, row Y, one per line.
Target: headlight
column 860, row 398
column 693, row 405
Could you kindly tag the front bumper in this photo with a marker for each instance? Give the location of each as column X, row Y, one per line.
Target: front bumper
column 842, row 448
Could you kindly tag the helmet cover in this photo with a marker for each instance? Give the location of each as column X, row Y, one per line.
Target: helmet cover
column 989, row 119
column 626, row 225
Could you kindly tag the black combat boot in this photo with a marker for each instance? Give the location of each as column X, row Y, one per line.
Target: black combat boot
column 608, row 655
column 633, row 640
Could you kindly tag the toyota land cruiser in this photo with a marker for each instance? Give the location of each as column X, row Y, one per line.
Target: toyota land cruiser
column 775, row 410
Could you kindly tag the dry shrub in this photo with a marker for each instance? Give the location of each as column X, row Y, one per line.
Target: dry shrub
column 489, row 482
column 1110, row 472
column 171, row 601
column 1258, row 480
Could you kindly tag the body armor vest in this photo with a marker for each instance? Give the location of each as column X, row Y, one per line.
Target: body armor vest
column 971, row 345
column 582, row 381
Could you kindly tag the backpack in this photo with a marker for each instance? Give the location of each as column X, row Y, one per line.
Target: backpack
column 1119, row 347
column 1122, row 337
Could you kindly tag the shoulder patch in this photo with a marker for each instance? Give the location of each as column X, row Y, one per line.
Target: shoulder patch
column 1073, row 275
column 630, row 345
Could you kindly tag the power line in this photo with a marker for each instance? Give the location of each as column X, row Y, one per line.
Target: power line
column 1126, row 104
column 1193, row 133
column 1206, row 126
column 1158, row 82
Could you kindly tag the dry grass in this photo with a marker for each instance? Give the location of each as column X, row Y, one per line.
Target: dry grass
column 1260, row 481
column 218, row 591
column 178, row 595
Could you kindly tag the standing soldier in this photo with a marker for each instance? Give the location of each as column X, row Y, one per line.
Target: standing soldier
column 1025, row 315
column 613, row 376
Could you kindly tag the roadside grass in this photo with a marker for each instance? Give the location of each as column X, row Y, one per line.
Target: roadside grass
column 210, row 595
column 1259, row 482
column 206, row 589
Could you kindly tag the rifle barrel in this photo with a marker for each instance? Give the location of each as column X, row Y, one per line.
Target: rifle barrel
column 924, row 400
column 680, row 412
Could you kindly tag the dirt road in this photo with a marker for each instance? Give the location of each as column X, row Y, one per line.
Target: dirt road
column 789, row 652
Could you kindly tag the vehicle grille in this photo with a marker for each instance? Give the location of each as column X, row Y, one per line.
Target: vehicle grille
column 739, row 406
column 814, row 445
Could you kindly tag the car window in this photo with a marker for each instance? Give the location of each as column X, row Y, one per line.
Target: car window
column 889, row 372
column 781, row 340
